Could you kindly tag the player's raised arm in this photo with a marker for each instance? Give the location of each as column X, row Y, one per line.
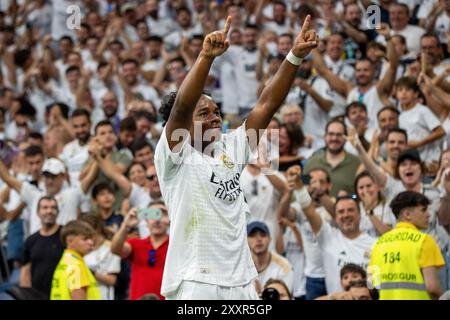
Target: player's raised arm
column 276, row 91
column 190, row 91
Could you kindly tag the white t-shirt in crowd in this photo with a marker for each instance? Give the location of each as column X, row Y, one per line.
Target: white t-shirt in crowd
column 296, row 258
column 244, row 63
column 372, row 101
column 160, row 27
column 316, row 118
column 208, row 212
column 412, row 35
column 102, row 260
column 313, row 255
column 338, row 250
column 383, row 212
column 418, row 122
column 442, row 26
column 278, row 268
column 228, row 86
column 263, row 199
column 74, row 157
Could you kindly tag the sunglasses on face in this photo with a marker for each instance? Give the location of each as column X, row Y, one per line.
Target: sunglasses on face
column 151, row 259
column 151, row 177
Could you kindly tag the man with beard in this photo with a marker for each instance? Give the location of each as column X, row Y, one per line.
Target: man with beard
column 356, row 116
column 244, row 60
column 43, row 249
column 387, row 119
column 431, row 47
column 396, row 142
column 75, row 153
column 110, row 106
column 132, row 84
column 339, row 246
column 373, row 94
column 340, row 164
column 158, row 25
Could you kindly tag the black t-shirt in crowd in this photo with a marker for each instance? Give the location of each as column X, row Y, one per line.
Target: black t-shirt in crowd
column 44, row 254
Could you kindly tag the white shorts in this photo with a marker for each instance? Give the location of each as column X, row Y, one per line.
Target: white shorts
column 193, row 290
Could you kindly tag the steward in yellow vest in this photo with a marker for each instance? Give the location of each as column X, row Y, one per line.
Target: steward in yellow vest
column 404, row 261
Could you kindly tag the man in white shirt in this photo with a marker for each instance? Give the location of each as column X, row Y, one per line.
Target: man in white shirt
column 263, row 193
column 75, row 153
column 374, row 94
column 158, row 25
column 269, row 264
column 339, row 246
column 399, row 15
column 184, row 28
column 244, row 59
column 69, row 199
column 208, row 256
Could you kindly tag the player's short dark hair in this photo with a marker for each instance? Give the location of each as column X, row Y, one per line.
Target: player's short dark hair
column 407, row 199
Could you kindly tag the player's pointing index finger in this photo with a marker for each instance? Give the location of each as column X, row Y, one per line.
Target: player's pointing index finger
column 306, row 25
column 227, row 25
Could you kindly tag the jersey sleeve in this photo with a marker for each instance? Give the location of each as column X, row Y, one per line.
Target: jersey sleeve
column 430, row 255
column 166, row 160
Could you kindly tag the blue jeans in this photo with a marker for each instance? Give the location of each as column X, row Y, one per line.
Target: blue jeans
column 315, row 287
column 15, row 240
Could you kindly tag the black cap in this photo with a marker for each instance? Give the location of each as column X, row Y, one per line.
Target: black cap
column 411, row 154
column 257, row 225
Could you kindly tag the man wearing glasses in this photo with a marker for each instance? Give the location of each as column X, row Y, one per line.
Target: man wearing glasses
column 340, row 165
column 339, row 245
column 147, row 256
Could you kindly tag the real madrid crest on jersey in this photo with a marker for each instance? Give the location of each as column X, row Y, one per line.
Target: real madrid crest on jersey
column 226, row 161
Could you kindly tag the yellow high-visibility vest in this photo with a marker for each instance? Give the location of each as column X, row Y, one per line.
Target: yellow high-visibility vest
column 72, row 273
column 395, row 267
